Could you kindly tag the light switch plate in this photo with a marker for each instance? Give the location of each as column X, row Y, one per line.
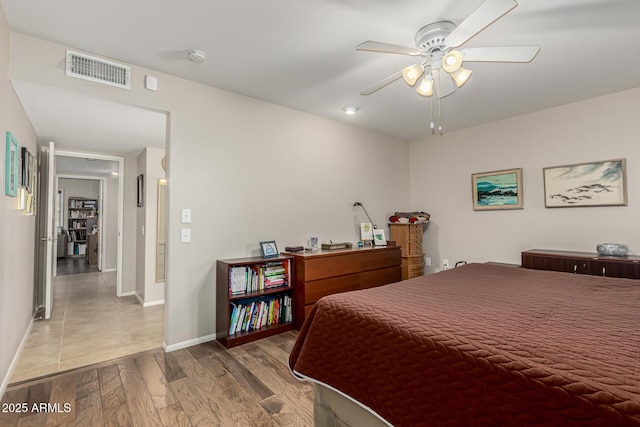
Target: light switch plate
column 186, row 216
column 185, row 235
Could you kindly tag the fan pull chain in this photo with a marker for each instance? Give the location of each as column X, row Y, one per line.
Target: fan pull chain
column 439, row 118
column 432, row 125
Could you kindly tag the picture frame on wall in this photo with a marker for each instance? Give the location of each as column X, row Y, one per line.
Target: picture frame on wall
column 25, row 168
column 11, row 166
column 600, row 183
column 269, row 249
column 497, row 190
column 140, row 191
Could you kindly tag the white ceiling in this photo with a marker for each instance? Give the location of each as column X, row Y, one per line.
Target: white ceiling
column 301, row 54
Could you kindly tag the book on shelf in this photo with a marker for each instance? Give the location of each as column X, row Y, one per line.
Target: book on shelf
column 259, row 277
column 259, row 313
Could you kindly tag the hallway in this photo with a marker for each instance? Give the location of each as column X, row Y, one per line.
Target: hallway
column 88, row 324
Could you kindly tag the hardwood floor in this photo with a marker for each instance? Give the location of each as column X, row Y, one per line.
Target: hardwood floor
column 203, row 385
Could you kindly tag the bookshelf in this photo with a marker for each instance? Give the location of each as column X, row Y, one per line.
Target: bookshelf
column 81, row 218
column 254, row 299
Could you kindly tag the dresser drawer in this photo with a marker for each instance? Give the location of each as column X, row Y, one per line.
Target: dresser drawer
column 415, row 271
column 375, row 278
column 330, row 266
column 378, row 259
column 315, row 290
column 412, row 247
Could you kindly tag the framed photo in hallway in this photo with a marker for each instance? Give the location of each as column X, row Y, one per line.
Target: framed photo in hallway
column 11, row 166
column 140, row 190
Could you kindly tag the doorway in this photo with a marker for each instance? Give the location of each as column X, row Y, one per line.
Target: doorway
column 80, row 217
column 92, row 186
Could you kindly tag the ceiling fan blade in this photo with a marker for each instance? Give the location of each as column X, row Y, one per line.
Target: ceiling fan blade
column 376, row 87
column 487, row 13
column 443, row 83
column 388, row 48
column 500, row 54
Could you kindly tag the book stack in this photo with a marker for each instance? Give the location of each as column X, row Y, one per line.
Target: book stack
column 257, row 278
column 260, row 313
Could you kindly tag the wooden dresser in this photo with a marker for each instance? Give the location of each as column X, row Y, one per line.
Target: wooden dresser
column 328, row 272
column 582, row 263
column 409, row 238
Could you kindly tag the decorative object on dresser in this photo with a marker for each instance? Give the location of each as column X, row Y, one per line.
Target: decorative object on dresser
column 379, row 238
column 497, row 190
column 329, row 246
column 613, row 249
column 366, row 213
column 409, row 237
column 601, row 183
column 582, row 263
column 410, row 217
column 254, row 299
column 325, row 272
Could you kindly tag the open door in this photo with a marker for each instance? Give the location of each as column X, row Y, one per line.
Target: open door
column 47, row 235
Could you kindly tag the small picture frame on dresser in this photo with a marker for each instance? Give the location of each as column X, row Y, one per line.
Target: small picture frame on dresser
column 379, row 238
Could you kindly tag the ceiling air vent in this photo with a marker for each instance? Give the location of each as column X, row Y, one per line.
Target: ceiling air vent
column 97, row 70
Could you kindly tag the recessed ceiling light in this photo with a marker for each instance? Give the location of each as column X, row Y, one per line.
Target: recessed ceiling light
column 197, row 56
column 350, row 110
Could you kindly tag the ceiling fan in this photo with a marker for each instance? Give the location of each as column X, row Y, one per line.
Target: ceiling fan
column 437, row 43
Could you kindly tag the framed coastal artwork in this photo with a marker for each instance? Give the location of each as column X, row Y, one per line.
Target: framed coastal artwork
column 497, row 190
column 602, row 183
column 11, row 166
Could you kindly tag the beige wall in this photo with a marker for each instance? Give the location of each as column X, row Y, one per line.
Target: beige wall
column 597, row 129
column 248, row 170
column 110, row 232
column 129, row 220
column 17, row 231
column 148, row 291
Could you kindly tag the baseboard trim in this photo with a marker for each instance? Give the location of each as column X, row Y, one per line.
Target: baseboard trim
column 14, row 362
column 127, row 294
column 188, row 343
column 139, row 299
column 109, row 270
column 152, row 303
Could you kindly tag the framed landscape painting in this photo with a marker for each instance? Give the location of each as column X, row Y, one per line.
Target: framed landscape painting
column 601, row 183
column 497, row 190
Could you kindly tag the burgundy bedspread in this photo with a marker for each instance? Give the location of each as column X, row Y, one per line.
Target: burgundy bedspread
column 482, row 345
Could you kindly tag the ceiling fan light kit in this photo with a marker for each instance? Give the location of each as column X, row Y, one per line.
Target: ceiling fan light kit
column 425, row 88
column 437, row 43
column 412, row 73
column 460, row 76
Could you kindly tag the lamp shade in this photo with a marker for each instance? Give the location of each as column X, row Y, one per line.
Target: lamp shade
column 452, row 61
column 412, row 73
column 461, row 76
column 425, row 88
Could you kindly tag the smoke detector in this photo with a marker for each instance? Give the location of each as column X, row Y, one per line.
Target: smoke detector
column 197, row 56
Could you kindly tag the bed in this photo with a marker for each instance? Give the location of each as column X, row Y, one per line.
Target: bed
column 481, row 344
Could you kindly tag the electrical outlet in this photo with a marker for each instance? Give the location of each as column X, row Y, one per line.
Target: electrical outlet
column 445, row 264
column 427, row 261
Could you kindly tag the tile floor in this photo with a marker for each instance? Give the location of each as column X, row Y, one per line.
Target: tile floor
column 89, row 324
